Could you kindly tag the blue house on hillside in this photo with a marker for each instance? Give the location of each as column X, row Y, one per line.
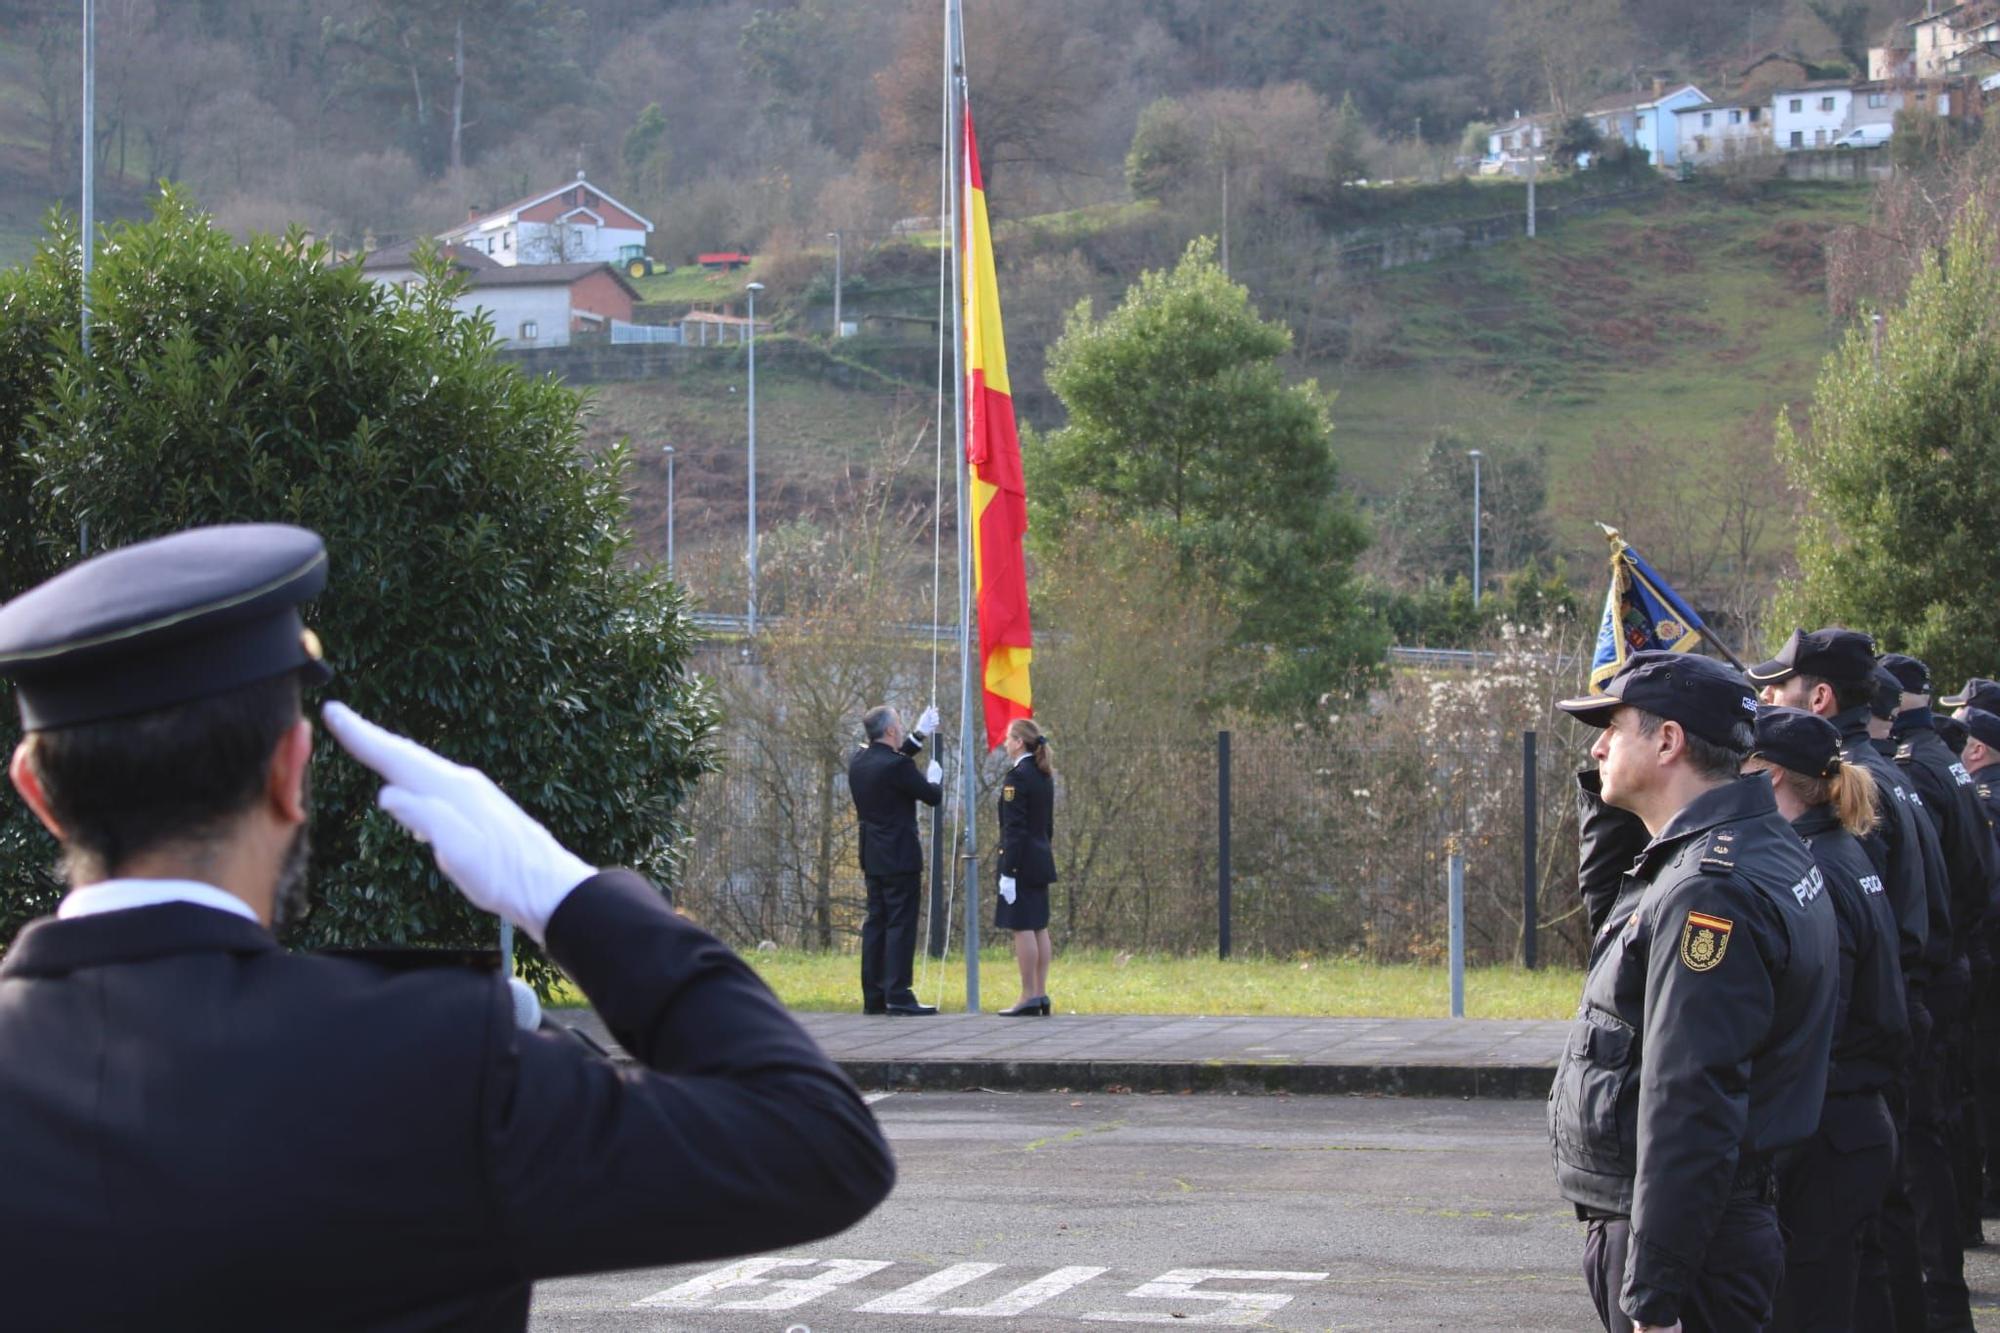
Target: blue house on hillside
column 1647, row 120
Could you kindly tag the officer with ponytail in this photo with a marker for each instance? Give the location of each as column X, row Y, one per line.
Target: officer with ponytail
column 1027, row 862
column 1832, row 1189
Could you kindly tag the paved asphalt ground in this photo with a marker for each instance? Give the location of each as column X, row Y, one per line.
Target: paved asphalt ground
column 1052, row 1211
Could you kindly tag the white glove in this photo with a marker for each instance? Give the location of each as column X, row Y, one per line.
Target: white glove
column 500, row 859
column 935, row 773
column 928, row 722
column 1007, row 888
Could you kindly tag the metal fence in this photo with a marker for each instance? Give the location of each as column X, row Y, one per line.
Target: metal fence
column 1334, row 847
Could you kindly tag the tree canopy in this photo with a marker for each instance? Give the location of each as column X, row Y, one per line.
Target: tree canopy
column 1180, row 423
column 1901, row 464
column 481, row 599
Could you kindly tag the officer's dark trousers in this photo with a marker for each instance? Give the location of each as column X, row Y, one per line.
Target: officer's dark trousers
column 1928, row 1174
column 1890, row 1293
column 889, row 939
column 1736, row 1287
column 1828, row 1195
column 1986, row 1070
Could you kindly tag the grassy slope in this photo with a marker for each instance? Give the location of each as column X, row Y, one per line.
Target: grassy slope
column 1682, row 318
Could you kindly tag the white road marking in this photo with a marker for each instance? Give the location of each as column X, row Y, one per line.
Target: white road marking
column 1025, row 1298
column 1240, row 1308
column 873, row 1097
column 921, row 1296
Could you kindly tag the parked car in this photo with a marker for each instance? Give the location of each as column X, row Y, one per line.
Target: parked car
column 1865, row 136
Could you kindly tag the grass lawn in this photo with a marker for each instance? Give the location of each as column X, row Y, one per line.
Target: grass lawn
column 691, row 282
column 1100, row 982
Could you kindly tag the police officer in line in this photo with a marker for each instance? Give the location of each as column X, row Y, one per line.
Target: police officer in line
column 1700, row 1049
column 1981, row 757
column 1966, row 838
column 1832, row 1188
column 199, row 1130
column 1979, row 692
column 1913, row 1264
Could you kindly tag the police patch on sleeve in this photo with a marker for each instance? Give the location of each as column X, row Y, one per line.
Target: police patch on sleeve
column 1704, row 939
column 1007, row 792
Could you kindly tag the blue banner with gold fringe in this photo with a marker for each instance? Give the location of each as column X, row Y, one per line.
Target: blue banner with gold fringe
column 1641, row 611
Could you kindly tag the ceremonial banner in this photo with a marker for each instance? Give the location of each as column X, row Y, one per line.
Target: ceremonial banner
column 1640, row 612
column 993, row 453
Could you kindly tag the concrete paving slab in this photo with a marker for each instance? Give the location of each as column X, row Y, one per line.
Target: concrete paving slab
column 1430, row 1057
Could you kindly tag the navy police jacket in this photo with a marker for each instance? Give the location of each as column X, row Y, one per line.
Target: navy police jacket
column 1871, row 1025
column 1700, row 1047
column 1027, row 823
column 199, row 1130
column 1905, row 852
column 1951, row 800
column 886, row 785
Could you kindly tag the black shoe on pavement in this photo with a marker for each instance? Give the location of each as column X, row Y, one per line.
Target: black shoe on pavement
column 910, row 1010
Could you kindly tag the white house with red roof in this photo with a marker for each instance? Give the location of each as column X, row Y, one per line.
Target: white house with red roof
column 530, row 305
column 574, row 223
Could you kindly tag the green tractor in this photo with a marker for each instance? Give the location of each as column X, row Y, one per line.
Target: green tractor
column 634, row 260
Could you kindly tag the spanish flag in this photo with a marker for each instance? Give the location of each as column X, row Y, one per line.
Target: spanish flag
column 993, row 454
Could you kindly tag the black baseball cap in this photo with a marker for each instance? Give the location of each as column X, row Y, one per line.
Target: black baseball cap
column 1797, row 740
column 1844, row 656
column 164, row 622
column 1951, row 731
column 1700, row 693
column 1887, row 699
column 1910, row 673
column 1979, row 692
column 1984, row 726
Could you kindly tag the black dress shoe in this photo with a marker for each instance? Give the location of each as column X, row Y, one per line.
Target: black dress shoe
column 910, row 1010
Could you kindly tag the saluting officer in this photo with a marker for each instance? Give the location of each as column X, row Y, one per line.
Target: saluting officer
column 1832, row 673
column 199, row 1130
column 1701, row 1045
column 1832, row 1188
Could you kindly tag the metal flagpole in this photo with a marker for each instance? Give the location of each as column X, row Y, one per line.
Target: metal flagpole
column 89, row 154
column 968, row 761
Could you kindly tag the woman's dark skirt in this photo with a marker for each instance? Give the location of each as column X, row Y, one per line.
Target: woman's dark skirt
column 1028, row 911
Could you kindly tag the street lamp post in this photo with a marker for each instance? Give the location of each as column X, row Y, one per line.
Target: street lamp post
column 836, row 284
column 753, row 289
column 1475, row 456
column 670, row 511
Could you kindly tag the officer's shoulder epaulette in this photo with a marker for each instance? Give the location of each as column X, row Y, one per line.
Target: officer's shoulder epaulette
column 1906, row 752
column 1719, row 856
column 1985, row 792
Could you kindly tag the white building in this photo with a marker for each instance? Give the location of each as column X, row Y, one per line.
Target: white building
column 1508, row 147
column 1714, row 132
column 1944, row 41
column 530, row 305
column 1812, row 115
column 572, row 224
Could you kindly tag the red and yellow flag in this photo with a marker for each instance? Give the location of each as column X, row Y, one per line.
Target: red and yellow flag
column 993, row 451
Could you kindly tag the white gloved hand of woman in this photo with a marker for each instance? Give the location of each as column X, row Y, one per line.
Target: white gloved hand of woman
column 1007, row 888
column 500, row 859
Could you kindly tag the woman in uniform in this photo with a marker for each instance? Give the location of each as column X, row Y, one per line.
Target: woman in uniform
column 1027, row 865
column 1834, row 1184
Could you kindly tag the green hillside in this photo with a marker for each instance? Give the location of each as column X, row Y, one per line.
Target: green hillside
column 1686, row 317
column 1682, row 318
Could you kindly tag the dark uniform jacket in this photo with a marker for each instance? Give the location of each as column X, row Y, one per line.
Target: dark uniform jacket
column 1952, row 802
column 1701, row 1044
column 1914, row 877
column 1027, row 823
column 1871, row 1026
column 1986, row 787
column 886, row 785
column 199, row 1130
column 1608, row 841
